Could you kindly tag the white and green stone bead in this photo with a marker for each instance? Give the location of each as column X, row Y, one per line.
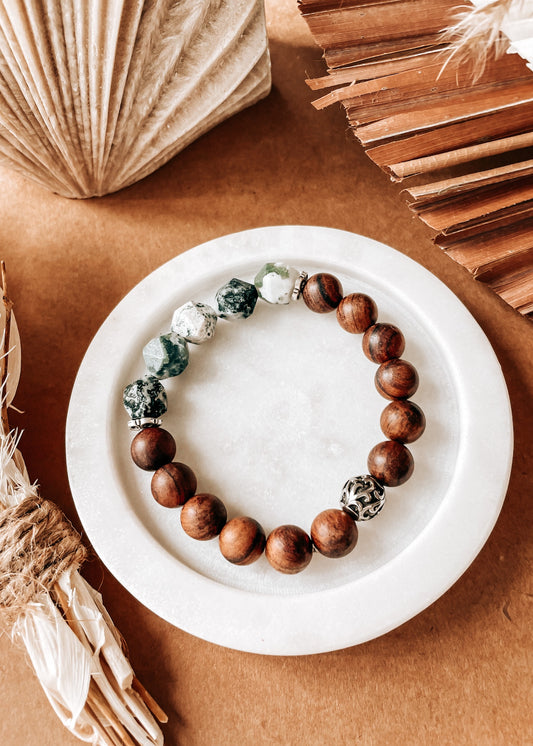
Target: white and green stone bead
column 195, row 322
column 145, row 398
column 166, row 356
column 275, row 282
column 236, row 299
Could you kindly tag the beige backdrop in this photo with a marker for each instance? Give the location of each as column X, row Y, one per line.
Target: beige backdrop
column 456, row 674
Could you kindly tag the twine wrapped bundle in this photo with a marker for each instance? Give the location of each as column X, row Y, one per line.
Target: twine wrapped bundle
column 75, row 649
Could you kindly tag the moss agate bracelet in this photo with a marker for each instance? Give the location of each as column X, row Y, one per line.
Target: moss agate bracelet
column 242, row 540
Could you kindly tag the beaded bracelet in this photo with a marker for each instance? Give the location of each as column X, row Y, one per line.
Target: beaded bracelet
column 242, row 540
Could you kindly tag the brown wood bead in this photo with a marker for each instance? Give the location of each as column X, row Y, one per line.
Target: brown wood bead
column 334, row 533
column 383, row 342
column 391, row 463
column 402, row 421
column 289, row 549
column 203, row 516
column 242, row 540
column 152, row 447
column 396, row 379
column 322, row 293
column 356, row 312
column 173, row 484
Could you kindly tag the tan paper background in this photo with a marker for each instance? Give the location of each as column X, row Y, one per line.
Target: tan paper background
column 456, row 674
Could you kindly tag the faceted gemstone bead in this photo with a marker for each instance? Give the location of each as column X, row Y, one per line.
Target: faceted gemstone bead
column 391, row 463
column 322, row 293
column 145, row 397
column 403, row 421
column 203, row 516
column 363, row 497
column 195, row 322
column 356, row 312
column 289, row 549
column 173, row 484
column 383, row 342
column 334, row 533
column 152, row 447
column 166, row 356
column 242, row 540
column 275, row 282
column 236, row 299
column 396, row 379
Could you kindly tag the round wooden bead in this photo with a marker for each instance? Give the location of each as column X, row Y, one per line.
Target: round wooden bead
column 396, row 379
column 356, row 312
column 391, row 463
column 334, row 533
column 152, row 447
column 382, row 342
column 203, row 516
column 289, row 549
column 173, row 484
column 242, row 540
column 322, row 293
column 402, row 421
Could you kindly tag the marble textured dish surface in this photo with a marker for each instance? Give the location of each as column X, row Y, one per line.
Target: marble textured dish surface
column 274, row 414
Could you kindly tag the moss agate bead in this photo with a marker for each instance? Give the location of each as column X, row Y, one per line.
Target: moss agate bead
column 236, row 299
column 334, row 533
column 166, row 356
column 173, row 484
column 391, row 463
column 275, row 282
column 195, row 322
column 289, row 549
column 152, row 447
column 144, row 398
column 242, row 540
column 356, row 312
column 396, row 379
column 383, row 342
column 322, row 293
column 403, row 421
column 203, row 517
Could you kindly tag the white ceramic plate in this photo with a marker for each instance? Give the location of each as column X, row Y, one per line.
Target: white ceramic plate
column 273, row 415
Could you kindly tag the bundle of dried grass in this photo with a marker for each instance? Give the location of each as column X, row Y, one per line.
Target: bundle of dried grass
column 75, row 649
column 423, row 107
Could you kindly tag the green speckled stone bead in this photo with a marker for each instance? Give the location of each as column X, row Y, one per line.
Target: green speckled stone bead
column 195, row 322
column 166, row 356
column 275, row 282
column 236, row 299
column 145, row 397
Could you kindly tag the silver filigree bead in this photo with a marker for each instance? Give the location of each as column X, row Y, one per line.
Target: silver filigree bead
column 143, row 422
column 299, row 285
column 363, row 497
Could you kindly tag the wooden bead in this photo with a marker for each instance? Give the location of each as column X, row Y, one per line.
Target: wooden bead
column 173, row 484
column 356, row 312
column 242, row 540
column 391, row 463
column 396, row 379
column 289, row 549
column 383, row 342
column 322, row 293
column 203, row 516
column 402, row 421
column 334, row 533
column 152, row 447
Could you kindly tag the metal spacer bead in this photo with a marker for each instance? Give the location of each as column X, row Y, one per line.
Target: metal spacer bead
column 363, row 497
column 299, row 285
column 143, row 422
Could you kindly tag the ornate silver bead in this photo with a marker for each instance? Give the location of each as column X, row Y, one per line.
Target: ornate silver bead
column 143, row 422
column 299, row 285
column 363, row 497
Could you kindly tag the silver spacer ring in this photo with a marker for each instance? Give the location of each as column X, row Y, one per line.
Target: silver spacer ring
column 299, row 285
column 144, row 422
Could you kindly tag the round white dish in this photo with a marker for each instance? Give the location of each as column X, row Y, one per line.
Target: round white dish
column 274, row 415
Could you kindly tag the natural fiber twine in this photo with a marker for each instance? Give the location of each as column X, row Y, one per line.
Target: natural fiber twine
column 37, row 544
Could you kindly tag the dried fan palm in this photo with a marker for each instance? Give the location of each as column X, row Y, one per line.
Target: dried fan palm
column 96, row 95
column 74, row 647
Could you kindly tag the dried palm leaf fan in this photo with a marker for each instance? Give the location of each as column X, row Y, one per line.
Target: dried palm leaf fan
column 452, row 108
column 71, row 641
column 95, row 95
